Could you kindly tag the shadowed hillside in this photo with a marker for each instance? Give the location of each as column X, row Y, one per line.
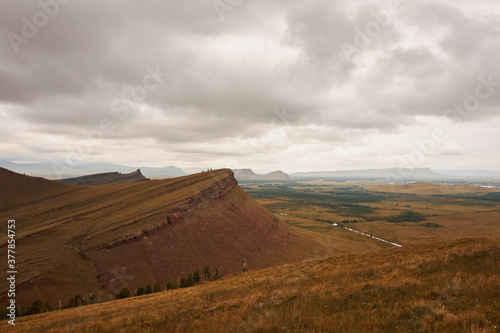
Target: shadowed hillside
column 105, row 178
column 55, row 170
column 82, row 240
column 440, row 287
column 17, row 189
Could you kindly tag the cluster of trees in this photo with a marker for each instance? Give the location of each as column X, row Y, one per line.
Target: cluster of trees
column 406, row 216
column 125, row 292
column 148, row 289
column 432, row 225
column 78, row 300
column 36, row 307
column 26, row 310
column 192, row 279
column 39, row 307
column 466, row 199
column 350, row 209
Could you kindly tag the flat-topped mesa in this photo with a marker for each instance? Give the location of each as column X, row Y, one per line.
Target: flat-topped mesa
column 248, row 174
column 105, row 178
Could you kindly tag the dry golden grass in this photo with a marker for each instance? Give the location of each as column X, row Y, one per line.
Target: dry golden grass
column 331, row 240
column 268, row 201
column 457, row 222
column 428, row 188
column 439, row 287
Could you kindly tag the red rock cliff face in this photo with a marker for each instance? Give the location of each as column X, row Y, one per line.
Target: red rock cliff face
column 201, row 197
column 216, row 191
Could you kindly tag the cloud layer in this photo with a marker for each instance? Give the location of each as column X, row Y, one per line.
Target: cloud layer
column 272, row 85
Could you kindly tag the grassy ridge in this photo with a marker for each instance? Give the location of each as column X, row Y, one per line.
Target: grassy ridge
column 440, row 287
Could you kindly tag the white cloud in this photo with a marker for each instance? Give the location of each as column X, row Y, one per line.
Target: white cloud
column 268, row 87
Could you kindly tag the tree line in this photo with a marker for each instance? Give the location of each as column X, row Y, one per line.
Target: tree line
column 193, row 279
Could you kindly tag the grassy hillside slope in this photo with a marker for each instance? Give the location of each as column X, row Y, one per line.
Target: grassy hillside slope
column 439, row 287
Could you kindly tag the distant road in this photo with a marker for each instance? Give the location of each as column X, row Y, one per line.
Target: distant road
column 375, row 237
column 356, row 231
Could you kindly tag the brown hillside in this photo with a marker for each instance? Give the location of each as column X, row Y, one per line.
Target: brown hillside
column 17, row 189
column 99, row 239
column 440, row 287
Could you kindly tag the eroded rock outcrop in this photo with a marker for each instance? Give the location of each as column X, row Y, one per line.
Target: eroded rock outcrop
column 181, row 212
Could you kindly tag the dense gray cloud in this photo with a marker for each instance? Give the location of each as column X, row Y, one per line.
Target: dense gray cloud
column 291, row 85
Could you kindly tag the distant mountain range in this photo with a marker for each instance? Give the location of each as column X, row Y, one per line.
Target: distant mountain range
column 389, row 174
column 248, row 174
column 404, row 174
column 62, row 170
column 472, row 173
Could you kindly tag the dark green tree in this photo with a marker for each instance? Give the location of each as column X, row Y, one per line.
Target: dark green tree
column 217, row 274
column 47, row 307
column 124, row 293
column 207, row 272
column 196, row 277
column 78, row 299
column 157, row 288
column 190, row 279
column 71, row 303
column 140, row 291
column 36, row 307
column 187, row 282
column 172, row 285
column 25, row 310
column 149, row 290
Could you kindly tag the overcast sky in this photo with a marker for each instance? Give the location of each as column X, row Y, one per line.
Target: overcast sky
column 291, row 85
